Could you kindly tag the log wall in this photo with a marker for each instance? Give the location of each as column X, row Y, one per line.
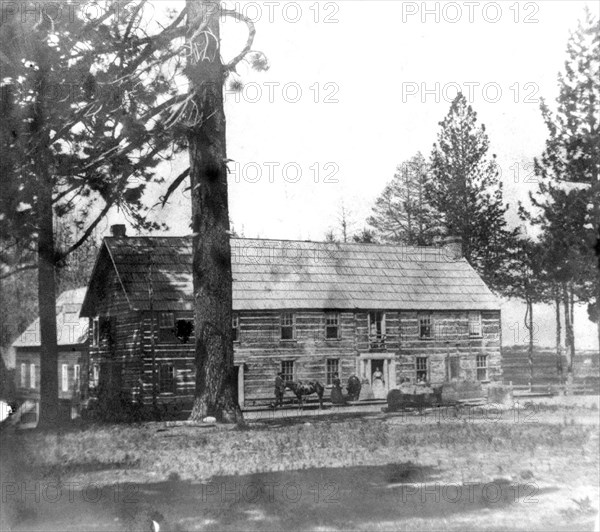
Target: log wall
column 120, row 356
column 450, row 339
column 259, row 351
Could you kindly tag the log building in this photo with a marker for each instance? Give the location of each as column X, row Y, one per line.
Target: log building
column 307, row 309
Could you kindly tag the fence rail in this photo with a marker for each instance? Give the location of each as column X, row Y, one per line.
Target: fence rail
column 557, row 389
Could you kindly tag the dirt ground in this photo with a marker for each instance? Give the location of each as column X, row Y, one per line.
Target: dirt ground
column 534, row 466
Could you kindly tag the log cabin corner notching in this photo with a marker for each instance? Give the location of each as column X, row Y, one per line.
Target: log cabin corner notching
column 307, row 309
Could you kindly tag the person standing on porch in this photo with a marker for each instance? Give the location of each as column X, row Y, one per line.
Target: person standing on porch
column 378, row 385
column 279, row 389
column 337, row 398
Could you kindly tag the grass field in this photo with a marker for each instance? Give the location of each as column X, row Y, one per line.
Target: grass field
column 534, row 468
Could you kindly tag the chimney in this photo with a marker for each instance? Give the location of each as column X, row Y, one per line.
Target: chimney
column 452, row 248
column 118, row 230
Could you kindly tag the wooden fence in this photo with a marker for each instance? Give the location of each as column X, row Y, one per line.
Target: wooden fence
column 547, row 376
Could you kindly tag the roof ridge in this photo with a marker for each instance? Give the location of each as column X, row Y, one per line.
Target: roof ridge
column 374, row 244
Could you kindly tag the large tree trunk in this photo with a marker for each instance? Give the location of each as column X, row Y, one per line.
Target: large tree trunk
column 49, row 413
column 49, row 407
column 215, row 375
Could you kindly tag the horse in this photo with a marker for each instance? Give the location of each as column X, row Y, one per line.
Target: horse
column 301, row 389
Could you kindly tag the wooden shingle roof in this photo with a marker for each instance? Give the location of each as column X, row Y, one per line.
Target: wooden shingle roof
column 280, row 274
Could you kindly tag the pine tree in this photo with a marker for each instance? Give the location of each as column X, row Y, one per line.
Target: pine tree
column 205, row 131
column 98, row 148
column 466, row 192
column 529, row 282
column 567, row 201
column 78, row 135
column 402, row 213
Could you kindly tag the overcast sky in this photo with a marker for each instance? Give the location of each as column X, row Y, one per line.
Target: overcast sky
column 356, row 87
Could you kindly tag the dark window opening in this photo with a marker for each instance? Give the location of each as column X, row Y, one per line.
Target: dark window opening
column 332, row 326
column 287, row 326
column 184, row 330
column 107, row 329
column 172, row 329
column 425, row 328
column 377, row 329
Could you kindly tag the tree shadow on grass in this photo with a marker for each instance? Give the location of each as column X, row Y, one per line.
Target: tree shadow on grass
column 336, row 498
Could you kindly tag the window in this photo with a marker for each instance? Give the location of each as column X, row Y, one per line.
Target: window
column 94, row 375
column 166, row 378
column 333, row 369
column 425, row 328
column 482, row 368
column 166, row 320
column 332, row 326
column 235, row 327
column 475, row 324
column 23, row 375
column 184, row 330
column 421, row 369
column 76, row 375
column 166, row 327
column 287, row 326
column 376, row 329
column 104, row 328
column 287, row 370
column 32, row 375
column 95, row 332
column 65, row 378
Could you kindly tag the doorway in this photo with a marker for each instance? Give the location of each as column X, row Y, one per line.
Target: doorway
column 376, row 365
column 368, row 363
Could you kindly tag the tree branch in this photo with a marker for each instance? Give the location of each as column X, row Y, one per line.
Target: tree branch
column 251, row 34
column 175, row 185
column 20, row 269
column 88, row 231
